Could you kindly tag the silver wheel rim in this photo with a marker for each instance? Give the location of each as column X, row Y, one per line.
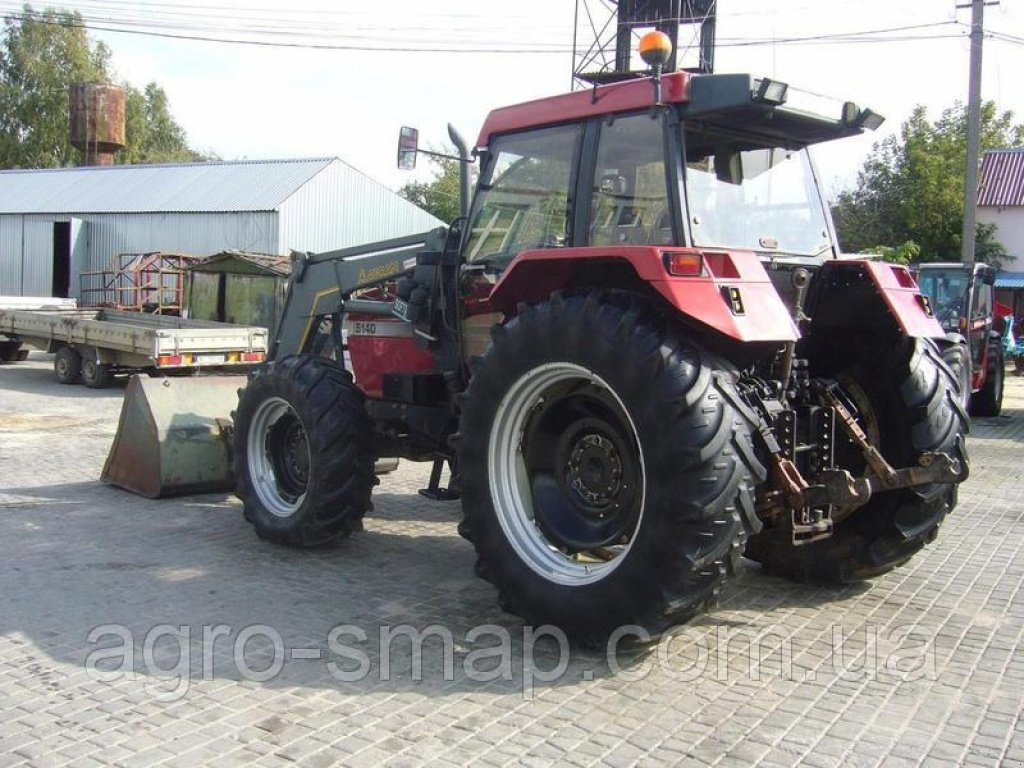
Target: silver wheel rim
column 264, row 472
column 510, row 485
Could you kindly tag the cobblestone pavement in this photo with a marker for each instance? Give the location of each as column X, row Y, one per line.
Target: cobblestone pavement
column 921, row 667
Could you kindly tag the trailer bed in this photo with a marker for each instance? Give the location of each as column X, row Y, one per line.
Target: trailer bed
column 122, row 342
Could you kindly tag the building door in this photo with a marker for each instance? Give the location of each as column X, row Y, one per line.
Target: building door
column 70, row 252
column 60, row 274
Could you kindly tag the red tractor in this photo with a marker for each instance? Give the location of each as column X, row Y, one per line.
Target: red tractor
column 640, row 352
column 963, row 299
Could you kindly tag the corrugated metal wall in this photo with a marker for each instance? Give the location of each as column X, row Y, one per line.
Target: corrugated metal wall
column 37, row 275
column 341, row 207
column 338, row 207
column 202, row 234
column 10, row 255
column 26, row 242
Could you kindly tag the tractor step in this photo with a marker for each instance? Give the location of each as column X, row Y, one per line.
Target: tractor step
column 434, row 490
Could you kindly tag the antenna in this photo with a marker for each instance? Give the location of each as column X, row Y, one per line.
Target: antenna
column 607, row 33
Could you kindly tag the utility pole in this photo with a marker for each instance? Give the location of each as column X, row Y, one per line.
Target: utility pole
column 973, row 129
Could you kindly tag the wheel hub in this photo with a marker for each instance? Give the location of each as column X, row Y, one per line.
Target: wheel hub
column 595, row 470
column 295, row 455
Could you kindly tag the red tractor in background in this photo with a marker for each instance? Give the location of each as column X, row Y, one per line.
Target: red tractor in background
column 963, row 299
column 640, row 352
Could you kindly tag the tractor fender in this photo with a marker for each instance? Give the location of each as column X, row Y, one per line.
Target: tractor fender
column 865, row 294
column 732, row 293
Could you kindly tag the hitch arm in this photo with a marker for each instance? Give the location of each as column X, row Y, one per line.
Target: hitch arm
column 875, row 460
column 839, row 487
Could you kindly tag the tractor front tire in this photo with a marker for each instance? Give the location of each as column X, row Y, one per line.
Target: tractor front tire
column 303, row 459
column 988, row 401
column 908, row 402
column 606, row 479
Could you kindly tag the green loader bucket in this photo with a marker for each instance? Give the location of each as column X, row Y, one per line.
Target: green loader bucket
column 173, row 437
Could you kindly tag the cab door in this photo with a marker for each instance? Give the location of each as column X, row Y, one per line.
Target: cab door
column 979, row 325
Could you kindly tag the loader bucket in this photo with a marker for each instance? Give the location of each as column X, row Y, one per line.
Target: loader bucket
column 173, row 437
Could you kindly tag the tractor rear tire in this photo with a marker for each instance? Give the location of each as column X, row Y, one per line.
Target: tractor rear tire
column 988, row 401
column 907, row 395
column 67, row 365
column 606, row 478
column 303, row 458
column 956, row 356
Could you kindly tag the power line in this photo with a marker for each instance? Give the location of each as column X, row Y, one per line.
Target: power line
column 180, row 31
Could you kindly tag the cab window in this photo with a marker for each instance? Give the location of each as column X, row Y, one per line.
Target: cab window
column 524, row 199
column 983, row 301
column 629, row 202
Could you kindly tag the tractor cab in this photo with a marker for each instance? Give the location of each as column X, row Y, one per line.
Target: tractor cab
column 719, row 162
column 961, row 295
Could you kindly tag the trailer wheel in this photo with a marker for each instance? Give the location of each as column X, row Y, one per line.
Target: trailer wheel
column 303, row 459
column 908, row 404
column 95, row 375
column 606, row 479
column 10, row 352
column 988, row 401
column 67, row 365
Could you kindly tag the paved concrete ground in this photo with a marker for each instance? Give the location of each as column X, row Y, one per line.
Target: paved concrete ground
column 105, row 598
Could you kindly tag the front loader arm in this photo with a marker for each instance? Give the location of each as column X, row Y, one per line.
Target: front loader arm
column 323, row 283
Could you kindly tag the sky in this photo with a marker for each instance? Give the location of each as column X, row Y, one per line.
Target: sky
column 268, row 101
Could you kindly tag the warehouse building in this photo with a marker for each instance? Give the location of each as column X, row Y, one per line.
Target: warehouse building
column 57, row 223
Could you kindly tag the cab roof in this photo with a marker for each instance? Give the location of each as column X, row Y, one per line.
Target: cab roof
column 624, row 96
column 734, row 100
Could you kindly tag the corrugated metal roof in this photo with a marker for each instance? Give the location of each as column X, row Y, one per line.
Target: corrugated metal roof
column 278, row 265
column 1010, row 280
column 1002, row 177
column 250, row 185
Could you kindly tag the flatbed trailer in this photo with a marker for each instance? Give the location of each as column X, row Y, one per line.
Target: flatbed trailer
column 11, row 350
column 92, row 345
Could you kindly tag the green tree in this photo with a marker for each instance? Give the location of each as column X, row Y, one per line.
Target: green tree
column 43, row 53
column 906, row 253
column 440, row 195
column 911, row 186
column 151, row 133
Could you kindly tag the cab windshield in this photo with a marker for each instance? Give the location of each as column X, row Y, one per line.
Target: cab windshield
column 758, row 198
column 947, row 291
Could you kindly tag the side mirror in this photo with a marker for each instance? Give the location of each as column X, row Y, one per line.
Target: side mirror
column 729, row 167
column 408, row 147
